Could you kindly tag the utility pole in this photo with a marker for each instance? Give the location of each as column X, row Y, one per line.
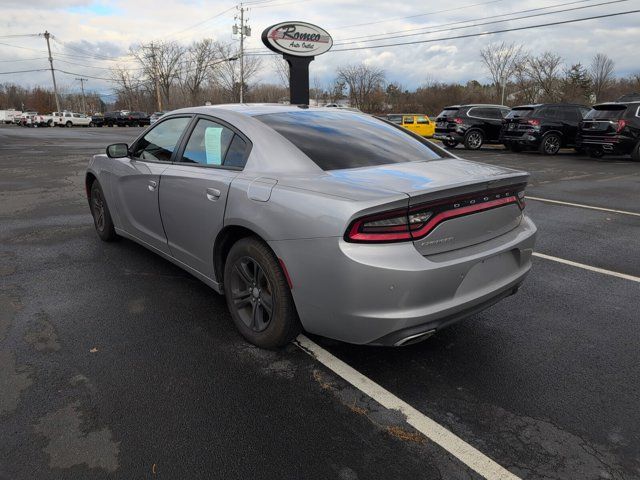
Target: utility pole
column 53, row 75
column 84, row 102
column 155, row 76
column 245, row 31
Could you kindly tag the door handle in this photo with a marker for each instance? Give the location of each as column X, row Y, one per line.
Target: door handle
column 152, row 185
column 213, row 194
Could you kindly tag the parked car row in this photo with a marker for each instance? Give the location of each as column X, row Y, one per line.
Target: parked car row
column 122, row 119
column 612, row 127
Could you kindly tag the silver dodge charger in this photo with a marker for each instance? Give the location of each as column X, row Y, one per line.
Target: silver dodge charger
column 336, row 222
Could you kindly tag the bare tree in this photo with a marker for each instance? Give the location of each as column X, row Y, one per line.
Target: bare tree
column 161, row 62
column 127, row 86
column 227, row 75
column 365, row 85
column 502, row 61
column 200, row 59
column 281, row 68
column 601, row 73
column 544, row 71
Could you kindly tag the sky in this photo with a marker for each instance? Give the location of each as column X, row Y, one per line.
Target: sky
column 92, row 35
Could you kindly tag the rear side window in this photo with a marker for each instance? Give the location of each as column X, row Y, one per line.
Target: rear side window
column 337, row 140
column 520, row 112
column 606, row 112
column 421, row 120
column 407, row 120
column 214, row 144
column 397, row 119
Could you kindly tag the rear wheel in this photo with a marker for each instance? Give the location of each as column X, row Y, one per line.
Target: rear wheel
column 101, row 215
column 68, row 124
column 473, row 140
column 635, row 153
column 550, row 144
column 595, row 152
column 258, row 295
column 450, row 143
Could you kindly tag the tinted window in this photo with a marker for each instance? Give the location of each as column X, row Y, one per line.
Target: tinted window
column 420, row 120
column 407, row 120
column 397, row 119
column 162, row 140
column 336, row 140
column 449, row 112
column 520, row 112
column 569, row 114
column 606, row 112
column 484, row 113
column 213, row 144
column 550, row 113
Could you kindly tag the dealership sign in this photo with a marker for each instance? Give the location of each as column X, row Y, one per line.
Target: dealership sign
column 298, row 39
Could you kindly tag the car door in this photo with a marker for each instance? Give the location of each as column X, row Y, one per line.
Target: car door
column 408, row 122
column 194, row 189
column 570, row 116
column 137, row 180
column 493, row 123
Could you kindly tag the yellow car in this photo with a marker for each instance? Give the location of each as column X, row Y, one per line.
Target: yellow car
column 419, row 124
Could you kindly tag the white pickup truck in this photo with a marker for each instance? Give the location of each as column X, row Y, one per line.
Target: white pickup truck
column 70, row 119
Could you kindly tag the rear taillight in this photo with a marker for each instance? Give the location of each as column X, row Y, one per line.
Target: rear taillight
column 534, row 122
column 621, row 125
column 458, row 120
column 413, row 223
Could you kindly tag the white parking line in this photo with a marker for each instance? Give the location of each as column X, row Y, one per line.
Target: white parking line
column 588, row 267
column 579, row 205
column 435, row 432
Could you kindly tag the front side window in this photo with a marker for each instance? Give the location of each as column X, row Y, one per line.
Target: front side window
column 214, row 144
column 158, row 145
column 337, row 140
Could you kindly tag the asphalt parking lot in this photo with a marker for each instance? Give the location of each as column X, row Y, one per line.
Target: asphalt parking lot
column 116, row 364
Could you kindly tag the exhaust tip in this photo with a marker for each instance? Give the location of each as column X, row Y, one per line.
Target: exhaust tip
column 411, row 339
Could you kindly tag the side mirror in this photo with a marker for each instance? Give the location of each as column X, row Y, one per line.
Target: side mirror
column 118, row 150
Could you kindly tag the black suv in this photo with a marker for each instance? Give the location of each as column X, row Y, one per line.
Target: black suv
column 612, row 128
column 112, row 118
column 471, row 125
column 546, row 127
column 134, row 119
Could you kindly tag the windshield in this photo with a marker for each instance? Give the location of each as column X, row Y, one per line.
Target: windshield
column 336, row 140
column 520, row 112
column 606, row 112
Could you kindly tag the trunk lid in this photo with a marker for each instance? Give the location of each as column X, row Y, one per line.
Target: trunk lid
column 445, row 120
column 450, row 185
column 602, row 120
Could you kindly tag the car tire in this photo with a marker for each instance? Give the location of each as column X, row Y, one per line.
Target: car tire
column 450, row 143
column 68, row 124
column 253, row 278
column 473, row 140
column 101, row 215
column 550, row 144
column 91, row 124
column 595, row 152
column 635, row 153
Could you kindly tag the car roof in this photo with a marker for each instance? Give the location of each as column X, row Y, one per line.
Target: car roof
column 254, row 109
column 536, row 105
column 476, row 105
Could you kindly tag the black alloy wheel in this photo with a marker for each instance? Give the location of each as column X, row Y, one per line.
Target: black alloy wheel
column 258, row 294
column 101, row 215
column 449, row 143
column 473, row 140
column 551, row 144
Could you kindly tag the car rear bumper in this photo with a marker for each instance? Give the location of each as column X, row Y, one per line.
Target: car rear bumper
column 448, row 136
column 389, row 294
column 614, row 144
column 527, row 139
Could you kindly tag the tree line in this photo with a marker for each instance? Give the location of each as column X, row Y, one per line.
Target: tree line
column 174, row 75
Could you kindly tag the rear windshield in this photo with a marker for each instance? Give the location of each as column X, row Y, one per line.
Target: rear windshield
column 606, row 112
column 337, row 140
column 520, row 112
column 449, row 112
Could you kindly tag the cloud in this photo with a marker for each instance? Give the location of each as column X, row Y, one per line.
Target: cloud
column 87, row 28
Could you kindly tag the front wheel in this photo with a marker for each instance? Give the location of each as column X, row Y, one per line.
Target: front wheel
column 258, row 295
column 550, row 144
column 450, row 143
column 473, row 140
column 101, row 215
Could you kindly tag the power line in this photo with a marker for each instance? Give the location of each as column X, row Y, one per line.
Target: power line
column 529, row 10
column 484, row 23
column 461, row 7
column 481, row 34
column 24, row 71
column 23, row 60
